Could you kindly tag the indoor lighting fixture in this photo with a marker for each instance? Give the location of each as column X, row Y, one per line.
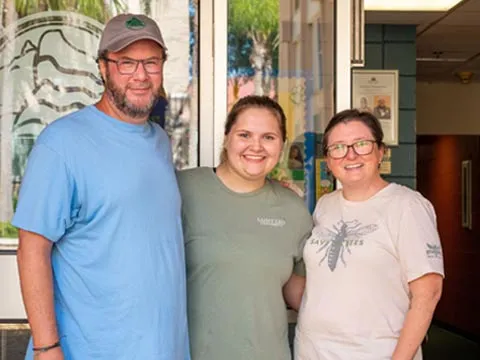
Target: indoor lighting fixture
column 409, row 5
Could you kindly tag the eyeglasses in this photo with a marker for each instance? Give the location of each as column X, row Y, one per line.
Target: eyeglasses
column 129, row 66
column 361, row 147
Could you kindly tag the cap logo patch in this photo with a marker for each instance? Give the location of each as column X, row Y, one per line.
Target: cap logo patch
column 134, row 23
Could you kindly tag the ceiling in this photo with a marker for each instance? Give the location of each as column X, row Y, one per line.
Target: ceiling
column 447, row 42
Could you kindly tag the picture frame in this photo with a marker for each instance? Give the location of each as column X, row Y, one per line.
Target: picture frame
column 376, row 91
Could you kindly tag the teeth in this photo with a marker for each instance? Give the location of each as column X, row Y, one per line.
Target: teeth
column 353, row 166
column 254, row 157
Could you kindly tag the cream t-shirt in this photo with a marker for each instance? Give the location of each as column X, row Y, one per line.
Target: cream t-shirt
column 359, row 261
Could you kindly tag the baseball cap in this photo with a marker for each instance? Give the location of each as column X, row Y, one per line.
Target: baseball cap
column 124, row 29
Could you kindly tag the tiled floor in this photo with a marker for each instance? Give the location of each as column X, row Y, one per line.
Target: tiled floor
column 13, row 344
column 442, row 345
column 445, row 345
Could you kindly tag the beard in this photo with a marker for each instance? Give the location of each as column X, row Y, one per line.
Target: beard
column 119, row 97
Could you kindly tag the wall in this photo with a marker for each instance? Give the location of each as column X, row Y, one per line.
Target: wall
column 448, row 108
column 11, row 304
column 439, row 180
column 393, row 47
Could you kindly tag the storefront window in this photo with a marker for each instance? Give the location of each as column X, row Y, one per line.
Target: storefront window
column 279, row 49
column 48, row 69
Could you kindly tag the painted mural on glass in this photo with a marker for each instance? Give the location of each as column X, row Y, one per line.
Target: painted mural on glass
column 48, row 69
column 48, row 66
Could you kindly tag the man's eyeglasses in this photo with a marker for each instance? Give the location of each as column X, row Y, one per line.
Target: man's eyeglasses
column 129, row 66
column 361, row 147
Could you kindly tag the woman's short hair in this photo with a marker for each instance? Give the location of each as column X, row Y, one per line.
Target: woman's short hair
column 346, row 116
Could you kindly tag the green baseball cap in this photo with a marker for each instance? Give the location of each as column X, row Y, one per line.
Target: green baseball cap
column 124, row 29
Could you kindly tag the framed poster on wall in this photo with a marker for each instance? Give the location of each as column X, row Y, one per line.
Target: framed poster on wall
column 376, row 91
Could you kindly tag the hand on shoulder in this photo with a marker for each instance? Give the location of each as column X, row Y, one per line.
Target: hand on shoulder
column 288, row 184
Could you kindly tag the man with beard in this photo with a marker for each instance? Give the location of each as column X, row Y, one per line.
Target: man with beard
column 101, row 257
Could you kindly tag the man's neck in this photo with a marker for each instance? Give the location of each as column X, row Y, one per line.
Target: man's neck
column 105, row 106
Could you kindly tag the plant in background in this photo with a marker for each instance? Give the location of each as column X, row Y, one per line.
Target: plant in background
column 253, row 34
column 7, row 230
column 100, row 10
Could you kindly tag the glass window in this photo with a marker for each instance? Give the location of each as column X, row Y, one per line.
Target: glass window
column 48, row 69
column 283, row 65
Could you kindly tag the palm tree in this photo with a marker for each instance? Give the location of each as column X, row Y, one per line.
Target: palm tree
column 258, row 22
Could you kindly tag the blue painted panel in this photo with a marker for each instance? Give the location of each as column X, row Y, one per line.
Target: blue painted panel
column 401, row 57
column 404, row 160
column 393, row 47
column 373, row 33
column 373, row 56
column 399, row 33
column 407, row 126
column 407, row 92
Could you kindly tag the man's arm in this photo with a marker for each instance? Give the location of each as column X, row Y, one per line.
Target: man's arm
column 34, row 266
column 426, row 292
column 293, row 291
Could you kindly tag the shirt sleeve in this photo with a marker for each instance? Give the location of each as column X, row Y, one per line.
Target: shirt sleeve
column 307, row 225
column 46, row 195
column 418, row 242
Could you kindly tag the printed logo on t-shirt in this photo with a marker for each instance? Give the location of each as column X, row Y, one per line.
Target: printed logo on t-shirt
column 434, row 251
column 332, row 243
column 271, row 222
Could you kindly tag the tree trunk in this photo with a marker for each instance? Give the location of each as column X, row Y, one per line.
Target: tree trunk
column 147, row 7
column 257, row 60
column 106, row 10
column 267, row 76
column 42, row 5
column 8, row 12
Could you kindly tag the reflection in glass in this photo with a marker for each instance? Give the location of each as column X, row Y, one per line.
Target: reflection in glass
column 285, row 49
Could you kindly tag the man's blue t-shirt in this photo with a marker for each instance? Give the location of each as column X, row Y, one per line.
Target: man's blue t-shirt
column 104, row 191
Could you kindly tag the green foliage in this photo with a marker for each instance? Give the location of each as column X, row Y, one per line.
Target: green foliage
column 253, row 16
column 7, row 230
column 99, row 10
column 15, row 202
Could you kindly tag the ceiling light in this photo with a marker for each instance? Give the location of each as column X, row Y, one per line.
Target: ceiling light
column 465, row 76
column 409, row 5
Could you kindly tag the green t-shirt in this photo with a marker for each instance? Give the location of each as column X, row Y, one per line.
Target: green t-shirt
column 240, row 251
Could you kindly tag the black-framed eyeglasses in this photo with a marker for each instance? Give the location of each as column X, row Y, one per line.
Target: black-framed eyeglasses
column 129, row 66
column 361, row 147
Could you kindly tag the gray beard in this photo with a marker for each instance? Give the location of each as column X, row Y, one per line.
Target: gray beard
column 119, row 98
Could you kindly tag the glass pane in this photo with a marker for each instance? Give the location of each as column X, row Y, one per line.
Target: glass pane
column 285, row 49
column 48, row 69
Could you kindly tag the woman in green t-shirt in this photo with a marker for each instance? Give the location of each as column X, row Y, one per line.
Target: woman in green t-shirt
column 244, row 237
